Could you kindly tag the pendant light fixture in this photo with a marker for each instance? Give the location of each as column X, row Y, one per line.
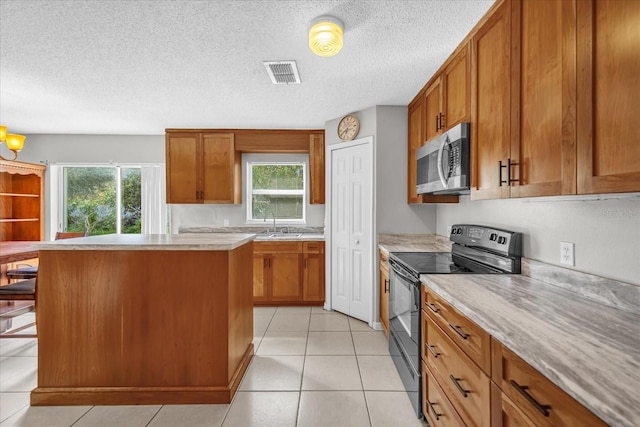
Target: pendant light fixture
column 326, row 36
column 14, row 142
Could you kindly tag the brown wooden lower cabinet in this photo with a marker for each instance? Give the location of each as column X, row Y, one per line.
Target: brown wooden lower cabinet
column 148, row 327
column 504, row 413
column 435, row 406
column 384, row 292
column 541, row 401
column 288, row 273
column 456, row 391
column 463, row 381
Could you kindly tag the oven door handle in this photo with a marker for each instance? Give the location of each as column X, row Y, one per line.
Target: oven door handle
column 403, row 275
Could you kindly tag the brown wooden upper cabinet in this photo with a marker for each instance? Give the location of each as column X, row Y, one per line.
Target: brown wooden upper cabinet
column 204, row 165
column 448, row 95
column 416, row 138
column 316, row 168
column 608, row 96
column 444, row 102
column 554, row 85
column 202, row 168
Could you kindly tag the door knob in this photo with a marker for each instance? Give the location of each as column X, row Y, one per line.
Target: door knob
column 357, row 242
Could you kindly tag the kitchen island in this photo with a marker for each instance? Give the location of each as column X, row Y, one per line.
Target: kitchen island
column 143, row 319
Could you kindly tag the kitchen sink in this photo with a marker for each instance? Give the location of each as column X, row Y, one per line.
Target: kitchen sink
column 285, row 236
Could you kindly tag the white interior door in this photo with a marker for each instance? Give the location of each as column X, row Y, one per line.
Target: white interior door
column 352, row 283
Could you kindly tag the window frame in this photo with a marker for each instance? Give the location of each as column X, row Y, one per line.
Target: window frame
column 249, row 220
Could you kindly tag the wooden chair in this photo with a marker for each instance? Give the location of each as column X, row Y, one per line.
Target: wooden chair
column 31, row 271
column 19, row 295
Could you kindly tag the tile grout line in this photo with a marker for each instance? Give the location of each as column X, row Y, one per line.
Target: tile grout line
column 364, row 395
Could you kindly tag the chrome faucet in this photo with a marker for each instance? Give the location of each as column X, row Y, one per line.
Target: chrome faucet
column 274, row 222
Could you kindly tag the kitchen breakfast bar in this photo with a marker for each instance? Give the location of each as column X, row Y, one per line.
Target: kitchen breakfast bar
column 143, row 319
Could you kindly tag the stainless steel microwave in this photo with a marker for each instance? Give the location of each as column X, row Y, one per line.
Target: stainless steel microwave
column 443, row 163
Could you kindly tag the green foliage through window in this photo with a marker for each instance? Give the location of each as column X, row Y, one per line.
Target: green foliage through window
column 91, row 200
column 276, row 191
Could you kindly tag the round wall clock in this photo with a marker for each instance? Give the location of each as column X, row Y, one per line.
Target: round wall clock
column 348, row 127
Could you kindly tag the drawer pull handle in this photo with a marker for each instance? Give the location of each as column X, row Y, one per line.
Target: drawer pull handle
column 459, row 331
column 432, row 307
column 433, row 411
column 455, row 381
column 432, row 350
column 522, row 389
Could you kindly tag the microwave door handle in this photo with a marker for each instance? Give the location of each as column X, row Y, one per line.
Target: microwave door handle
column 440, row 163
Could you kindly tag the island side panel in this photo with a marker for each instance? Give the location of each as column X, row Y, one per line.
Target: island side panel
column 149, row 326
column 240, row 311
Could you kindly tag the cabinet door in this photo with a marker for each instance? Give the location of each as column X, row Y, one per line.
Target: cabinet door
column 457, row 95
column 218, row 168
column 433, row 109
column 384, row 294
column 416, row 139
column 490, row 98
column 313, row 282
column 543, row 98
column 316, row 169
column 260, row 277
column 609, row 89
column 286, row 278
column 504, row 413
column 182, row 153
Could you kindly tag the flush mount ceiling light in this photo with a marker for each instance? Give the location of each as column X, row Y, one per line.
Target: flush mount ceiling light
column 325, row 36
column 14, row 142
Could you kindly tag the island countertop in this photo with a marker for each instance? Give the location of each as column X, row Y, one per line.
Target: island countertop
column 589, row 350
column 167, row 242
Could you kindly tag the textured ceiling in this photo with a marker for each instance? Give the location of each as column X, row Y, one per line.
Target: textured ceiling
column 138, row 67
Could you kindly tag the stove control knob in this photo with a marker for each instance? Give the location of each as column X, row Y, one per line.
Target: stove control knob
column 493, row 237
column 502, row 240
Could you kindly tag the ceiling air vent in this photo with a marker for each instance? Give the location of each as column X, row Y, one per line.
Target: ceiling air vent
column 282, row 72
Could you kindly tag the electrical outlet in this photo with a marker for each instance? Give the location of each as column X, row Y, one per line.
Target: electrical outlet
column 566, row 253
column 448, row 230
column 226, row 222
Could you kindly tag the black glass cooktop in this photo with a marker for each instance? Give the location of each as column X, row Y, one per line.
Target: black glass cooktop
column 429, row 262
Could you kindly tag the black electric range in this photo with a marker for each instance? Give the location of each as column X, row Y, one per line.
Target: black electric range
column 476, row 250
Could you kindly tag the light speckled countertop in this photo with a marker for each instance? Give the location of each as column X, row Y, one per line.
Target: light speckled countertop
column 308, row 234
column 413, row 243
column 582, row 332
column 167, row 242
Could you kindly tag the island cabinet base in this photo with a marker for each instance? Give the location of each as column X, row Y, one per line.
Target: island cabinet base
column 60, row 396
column 143, row 326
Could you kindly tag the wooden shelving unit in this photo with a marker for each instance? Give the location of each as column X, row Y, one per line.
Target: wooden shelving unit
column 21, row 201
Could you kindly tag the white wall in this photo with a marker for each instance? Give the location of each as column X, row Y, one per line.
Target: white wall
column 214, row 215
column 89, row 149
column 388, row 126
column 606, row 233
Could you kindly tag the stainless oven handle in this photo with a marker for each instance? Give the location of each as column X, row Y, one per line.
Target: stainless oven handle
column 402, row 274
column 440, row 162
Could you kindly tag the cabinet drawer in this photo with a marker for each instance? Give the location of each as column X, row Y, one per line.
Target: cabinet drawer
column 313, row 247
column 471, row 338
column 464, row 383
column 435, row 405
column 537, row 397
column 274, row 247
column 504, row 412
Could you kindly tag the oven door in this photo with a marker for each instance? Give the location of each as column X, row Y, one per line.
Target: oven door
column 404, row 330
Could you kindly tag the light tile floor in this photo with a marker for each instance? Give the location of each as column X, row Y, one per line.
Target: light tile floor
column 311, row 368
